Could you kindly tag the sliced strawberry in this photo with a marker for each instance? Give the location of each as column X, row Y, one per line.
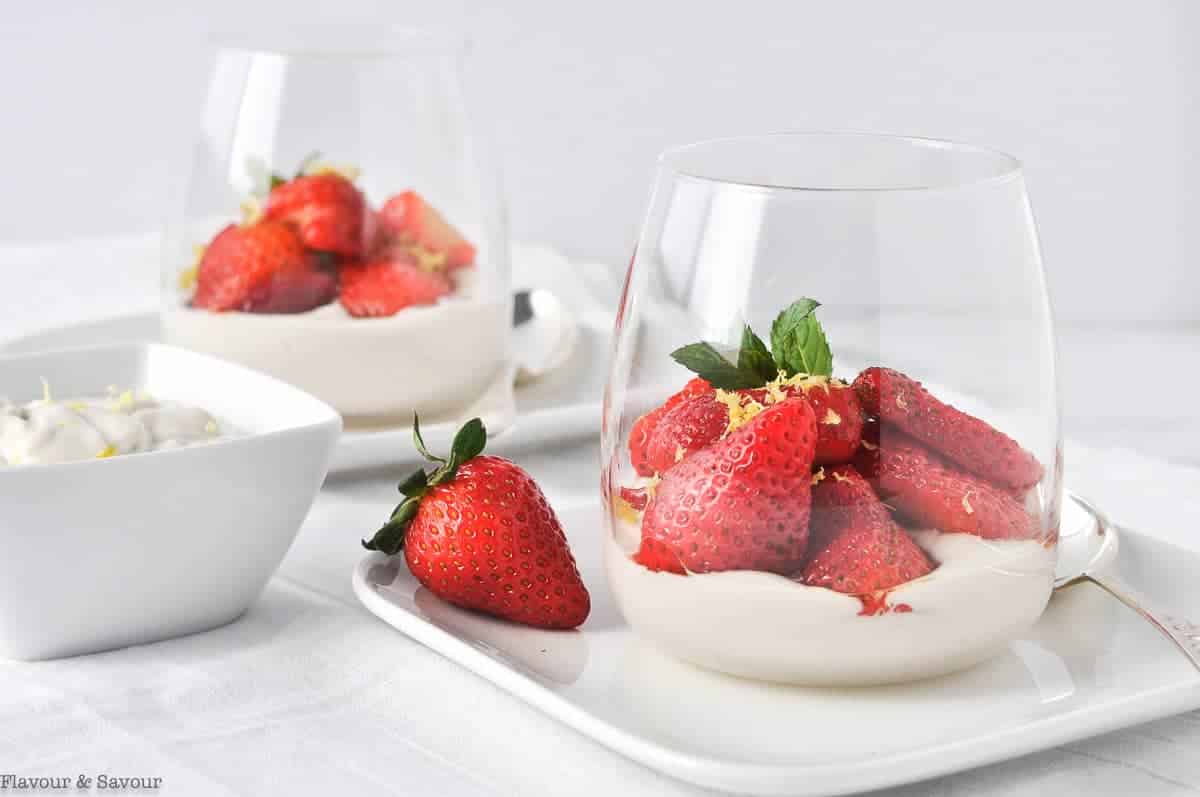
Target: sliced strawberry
column 412, row 221
column 385, row 287
column 327, row 211
column 970, row 442
column 701, row 420
column 934, row 493
column 855, row 546
column 643, row 427
column 636, row 497
column 691, row 425
column 294, row 292
column 740, row 504
column 239, row 264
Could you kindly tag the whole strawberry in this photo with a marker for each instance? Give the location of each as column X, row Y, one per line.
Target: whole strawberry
column 970, row 442
column 326, row 210
column 478, row 532
column 740, row 504
column 924, row 487
column 240, row 264
column 855, row 546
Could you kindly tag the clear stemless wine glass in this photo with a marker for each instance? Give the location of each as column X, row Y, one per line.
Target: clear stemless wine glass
column 831, row 442
column 341, row 225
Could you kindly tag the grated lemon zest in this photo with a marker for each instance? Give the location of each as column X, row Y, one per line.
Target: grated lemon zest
column 106, row 452
column 625, row 511
column 741, row 409
column 211, row 429
column 867, row 444
column 252, row 210
column 819, row 475
column 46, row 391
column 428, row 260
column 831, row 418
column 78, row 406
column 837, row 477
column 124, row 402
column 901, row 403
column 966, row 504
column 680, row 451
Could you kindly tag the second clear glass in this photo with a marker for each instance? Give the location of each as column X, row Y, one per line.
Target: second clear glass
column 915, row 532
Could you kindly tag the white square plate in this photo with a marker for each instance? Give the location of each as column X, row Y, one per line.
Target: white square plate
column 1090, row 666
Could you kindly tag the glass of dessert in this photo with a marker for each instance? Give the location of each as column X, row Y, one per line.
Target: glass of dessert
column 831, row 450
column 340, row 225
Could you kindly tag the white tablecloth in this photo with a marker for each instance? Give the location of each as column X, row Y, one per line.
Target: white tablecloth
column 309, row 694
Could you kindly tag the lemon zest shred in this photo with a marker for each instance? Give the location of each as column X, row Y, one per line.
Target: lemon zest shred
column 831, row 418
column 625, row 511
column 837, row 477
column 107, row 452
column 211, row 429
column 966, row 503
column 347, row 170
column 741, row 409
column 819, row 475
column 428, row 260
column 46, row 391
column 867, row 444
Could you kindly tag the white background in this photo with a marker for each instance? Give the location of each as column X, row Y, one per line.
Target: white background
column 1097, row 98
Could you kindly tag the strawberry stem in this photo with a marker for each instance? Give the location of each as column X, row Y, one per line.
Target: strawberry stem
column 468, row 443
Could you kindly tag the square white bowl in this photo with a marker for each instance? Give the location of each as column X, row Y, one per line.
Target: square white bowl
column 141, row 547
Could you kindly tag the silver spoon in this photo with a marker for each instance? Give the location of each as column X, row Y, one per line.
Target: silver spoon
column 1090, row 556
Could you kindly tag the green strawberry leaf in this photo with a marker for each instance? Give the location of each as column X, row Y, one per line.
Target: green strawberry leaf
column 390, row 537
column 799, row 342
column 415, row 485
column 419, row 442
column 755, row 357
column 708, row 363
column 276, row 181
column 469, row 441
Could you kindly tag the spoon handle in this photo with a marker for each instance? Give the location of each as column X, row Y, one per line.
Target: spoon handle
column 1186, row 635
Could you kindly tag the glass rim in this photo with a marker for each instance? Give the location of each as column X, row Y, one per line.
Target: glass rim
column 349, row 40
column 1006, row 166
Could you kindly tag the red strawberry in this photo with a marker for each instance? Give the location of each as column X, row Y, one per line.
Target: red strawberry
column 701, row 420
column 855, row 546
column 385, row 287
column 636, row 497
column 740, row 504
column 478, row 532
column 839, row 419
column 328, row 212
column 295, row 292
column 691, row 425
column 972, row 443
column 923, row 487
column 643, row 427
column 409, row 219
column 239, row 264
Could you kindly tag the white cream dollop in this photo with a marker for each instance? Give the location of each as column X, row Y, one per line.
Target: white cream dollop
column 47, row 431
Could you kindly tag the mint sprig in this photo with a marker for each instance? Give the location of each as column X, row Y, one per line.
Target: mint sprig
column 468, row 443
column 798, row 346
column 799, row 342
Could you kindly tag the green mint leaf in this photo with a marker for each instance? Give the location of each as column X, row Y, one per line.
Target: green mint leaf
column 306, row 161
column 419, row 442
column 708, row 363
column 754, row 357
column 799, row 342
